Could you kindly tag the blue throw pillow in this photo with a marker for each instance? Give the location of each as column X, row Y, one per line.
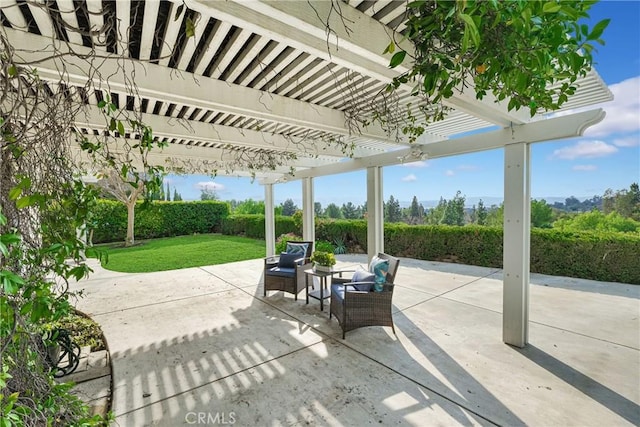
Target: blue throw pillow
column 297, row 248
column 363, row 276
column 379, row 267
column 288, row 260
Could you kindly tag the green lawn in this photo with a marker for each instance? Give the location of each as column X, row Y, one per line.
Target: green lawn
column 180, row 252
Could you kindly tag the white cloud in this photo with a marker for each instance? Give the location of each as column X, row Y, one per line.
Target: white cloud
column 584, row 149
column 585, row 168
column 628, row 141
column 410, row 178
column 209, row 185
column 623, row 113
column 449, row 172
column 418, row 164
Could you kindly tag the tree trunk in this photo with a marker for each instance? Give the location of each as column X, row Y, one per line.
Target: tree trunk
column 131, row 206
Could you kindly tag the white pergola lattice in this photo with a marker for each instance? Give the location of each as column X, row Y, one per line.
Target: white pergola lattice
column 265, row 76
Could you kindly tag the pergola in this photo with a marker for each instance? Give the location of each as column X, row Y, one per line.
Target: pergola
column 285, row 80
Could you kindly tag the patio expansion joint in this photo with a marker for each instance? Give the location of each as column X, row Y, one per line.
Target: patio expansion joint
column 442, row 295
column 500, row 313
column 344, row 344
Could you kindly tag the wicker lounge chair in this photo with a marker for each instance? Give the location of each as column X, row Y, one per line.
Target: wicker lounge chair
column 355, row 306
column 288, row 277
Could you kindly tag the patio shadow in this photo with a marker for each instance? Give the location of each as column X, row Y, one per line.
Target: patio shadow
column 602, row 394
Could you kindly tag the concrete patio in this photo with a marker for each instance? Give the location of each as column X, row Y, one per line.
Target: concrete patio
column 203, row 346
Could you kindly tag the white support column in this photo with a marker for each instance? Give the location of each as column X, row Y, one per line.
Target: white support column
column 375, row 212
column 269, row 221
column 308, row 221
column 517, row 227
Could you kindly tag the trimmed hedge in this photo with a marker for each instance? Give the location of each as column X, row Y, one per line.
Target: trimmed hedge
column 160, row 219
column 252, row 225
column 590, row 255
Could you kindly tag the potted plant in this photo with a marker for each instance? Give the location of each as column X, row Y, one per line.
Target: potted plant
column 323, row 261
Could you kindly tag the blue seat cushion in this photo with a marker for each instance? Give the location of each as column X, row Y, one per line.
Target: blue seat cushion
column 288, row 260
column 338, row 290
column 282, row 272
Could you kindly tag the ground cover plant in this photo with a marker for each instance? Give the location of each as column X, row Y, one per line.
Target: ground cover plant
column 179, row 252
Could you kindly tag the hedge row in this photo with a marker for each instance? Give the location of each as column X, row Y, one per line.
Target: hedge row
column 160, row 219
column 590, row 255
column 253, row 225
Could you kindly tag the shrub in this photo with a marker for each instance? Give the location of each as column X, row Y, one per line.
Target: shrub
column 281, row 241
column 253, row 225
column 324, row 246
column 160, row 219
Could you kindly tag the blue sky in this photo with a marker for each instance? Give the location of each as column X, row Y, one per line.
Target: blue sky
column 607, row 156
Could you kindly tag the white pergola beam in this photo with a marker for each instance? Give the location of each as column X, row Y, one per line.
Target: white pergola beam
column 543, row 130
column 41, row 15
column 219, row 134
column 148, row 28
column 303, row 25
column 67, row 11
column 158, row 82
column 123, row 16
column 171, row 34
column 11, row 10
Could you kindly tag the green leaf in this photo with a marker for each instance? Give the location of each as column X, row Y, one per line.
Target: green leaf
column 178, row 12
column 390, row 48
column 397, row 59
column 10, row 282
column 120, row 128
column 102, row 104
column 112, row 124
column 598, row 29
column 25, row 201
column 12, row 71
column 190, row 29
column 470, row 26
column 15, row 192
column 551, row 7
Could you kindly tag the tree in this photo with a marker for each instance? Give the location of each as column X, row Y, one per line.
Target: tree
column 168, row 193
column 435, row 215
column 392, row 210
column 513, row 50
column 598, row 221
column 333, row 211
column 416, row 212
column 317, row 209
column 481, row 213
column 350, row 211
column 289, row 207
column 177, row 197
column 249, row 207
column 207, row 194
column 627, row 202
column 495, row 216
column 454, row 212
column 123, row 191
column 541, row 214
